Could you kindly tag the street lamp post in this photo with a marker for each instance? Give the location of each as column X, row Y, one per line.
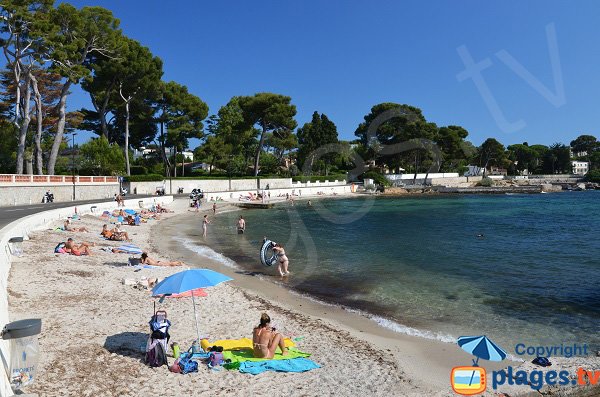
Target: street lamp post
column 73, row 164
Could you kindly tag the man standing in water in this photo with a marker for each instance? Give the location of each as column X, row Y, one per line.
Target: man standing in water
column 241, row 225
column 214, row 208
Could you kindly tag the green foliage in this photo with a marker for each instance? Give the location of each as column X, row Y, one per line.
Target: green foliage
column 318, row 132
column 271, row 113
column 269, row 164
column 557, row 160
column 593, row 176
column 377, row 177
column 491, row 152
column 486, row 182
column 98, row 157
column 8, row 144
column 139, row 170
column 145, row 178
column 182, row 113
column 585, row 143
column 408, row 126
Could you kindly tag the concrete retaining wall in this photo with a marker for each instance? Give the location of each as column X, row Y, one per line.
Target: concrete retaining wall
column 22, row 228
column 223, row 185
column 22, row 195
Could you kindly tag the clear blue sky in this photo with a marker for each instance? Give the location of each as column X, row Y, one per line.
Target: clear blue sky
column 341, row 57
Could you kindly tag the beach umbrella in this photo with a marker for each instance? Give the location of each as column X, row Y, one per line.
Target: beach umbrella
column 189, row 280
column 481, row 347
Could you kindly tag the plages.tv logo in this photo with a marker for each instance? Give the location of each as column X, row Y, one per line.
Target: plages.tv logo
column 470, row 380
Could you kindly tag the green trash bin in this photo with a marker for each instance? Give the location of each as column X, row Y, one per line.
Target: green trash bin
column 24, row 350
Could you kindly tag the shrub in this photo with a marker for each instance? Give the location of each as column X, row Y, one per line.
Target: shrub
column 370, row 187
column 138, row 170
column 593, row 176
column 145, row 178
column 377, row 177
column 486, row 182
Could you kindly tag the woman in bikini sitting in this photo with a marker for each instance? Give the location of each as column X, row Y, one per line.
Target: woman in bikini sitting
column 266, row 340
column 283, row 260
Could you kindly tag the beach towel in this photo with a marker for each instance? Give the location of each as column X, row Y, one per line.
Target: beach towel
column 130, row 249
column 129, row 212
column 240, row 356
column 232, row 344
column 291, row 365
column 197, row 292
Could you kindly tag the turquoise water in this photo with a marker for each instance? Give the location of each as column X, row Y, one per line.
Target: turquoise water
column 418, row 265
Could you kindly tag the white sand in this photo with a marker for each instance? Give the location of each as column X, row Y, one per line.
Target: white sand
column 93, row 327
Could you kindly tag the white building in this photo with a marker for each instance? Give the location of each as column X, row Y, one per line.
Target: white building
column 580, row 167
column 145, row 152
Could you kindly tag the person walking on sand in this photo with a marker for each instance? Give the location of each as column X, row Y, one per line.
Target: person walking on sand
column 205, row 223
column 241, row 225
column 283, row 260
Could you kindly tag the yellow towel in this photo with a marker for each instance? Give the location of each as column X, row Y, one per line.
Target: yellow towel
column 233, row 344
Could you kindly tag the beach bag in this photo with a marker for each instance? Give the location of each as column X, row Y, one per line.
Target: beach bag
column 188, row 365
column 542, row 361
column 156, row 355
column 215, row 359
column 60, row 248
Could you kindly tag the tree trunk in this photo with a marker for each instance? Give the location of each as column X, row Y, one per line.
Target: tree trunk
column 127, row 137
column 24, row 124
column 60, row 128
column 182, row 164
column 260, row 145
column 39, row 115
column 175, row 162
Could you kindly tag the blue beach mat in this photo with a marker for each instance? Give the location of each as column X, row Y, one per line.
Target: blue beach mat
column 299, row 364
column 130, row 249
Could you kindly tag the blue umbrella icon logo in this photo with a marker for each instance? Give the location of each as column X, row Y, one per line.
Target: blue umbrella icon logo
column 481, row 347
column 472, row 380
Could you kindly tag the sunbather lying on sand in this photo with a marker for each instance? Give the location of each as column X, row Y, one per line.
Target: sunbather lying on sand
column 115, row 234
column 265, row 340
column 68, row 228
column 146, row 260
column 82, row 249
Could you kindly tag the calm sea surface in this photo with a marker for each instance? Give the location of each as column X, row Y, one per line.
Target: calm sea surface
column 517, row 268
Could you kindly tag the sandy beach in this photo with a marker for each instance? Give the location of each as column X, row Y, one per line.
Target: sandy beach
column 94, row 327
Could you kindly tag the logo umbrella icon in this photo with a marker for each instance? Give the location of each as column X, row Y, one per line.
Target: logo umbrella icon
column 481, row 347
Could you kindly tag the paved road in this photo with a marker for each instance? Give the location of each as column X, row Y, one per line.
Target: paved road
column 9, row 214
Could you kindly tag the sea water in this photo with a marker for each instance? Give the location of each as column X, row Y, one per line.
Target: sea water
column 517, row 268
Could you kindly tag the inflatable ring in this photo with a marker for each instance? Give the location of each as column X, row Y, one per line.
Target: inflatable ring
column 267, row 255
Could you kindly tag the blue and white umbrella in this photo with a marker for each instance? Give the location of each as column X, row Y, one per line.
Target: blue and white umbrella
column 189, row 280
column 481, row 347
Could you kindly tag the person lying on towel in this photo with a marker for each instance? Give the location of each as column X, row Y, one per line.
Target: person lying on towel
column 265, row 340
column 146, row 260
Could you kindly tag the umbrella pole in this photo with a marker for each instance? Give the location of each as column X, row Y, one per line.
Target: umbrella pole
column 196, row 317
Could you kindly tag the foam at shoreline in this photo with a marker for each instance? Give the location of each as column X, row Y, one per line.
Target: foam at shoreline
column 207, row 252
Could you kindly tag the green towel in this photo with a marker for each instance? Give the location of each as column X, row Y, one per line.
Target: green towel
column 239, row 356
